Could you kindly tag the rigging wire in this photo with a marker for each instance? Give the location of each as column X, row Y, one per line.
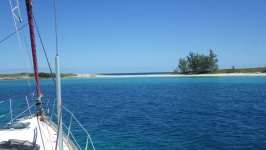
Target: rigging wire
column 21, row 50
column 44, row 50
column 49, row 134
column 40, row 130
column 47, row 60
column 7, row 37
column 27, row 48
column 55, row 25
column 19, row 41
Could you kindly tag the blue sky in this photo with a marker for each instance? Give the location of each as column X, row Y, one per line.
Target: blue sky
column 111, row 36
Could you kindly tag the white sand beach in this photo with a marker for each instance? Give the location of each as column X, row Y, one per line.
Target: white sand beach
column 149, row 75
column 169, row 75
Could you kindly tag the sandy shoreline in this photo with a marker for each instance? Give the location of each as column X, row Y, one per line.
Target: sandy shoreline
column 168, row 75
column 149, row 75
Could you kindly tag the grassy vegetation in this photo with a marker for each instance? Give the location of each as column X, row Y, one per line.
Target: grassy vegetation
column 31, row 75
column 242, row 70
column 12, row 75
column 48, row 75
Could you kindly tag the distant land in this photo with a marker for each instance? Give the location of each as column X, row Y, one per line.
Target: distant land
column 17, row 76
column 139, row 73
column 242, row 70
column 221, row 72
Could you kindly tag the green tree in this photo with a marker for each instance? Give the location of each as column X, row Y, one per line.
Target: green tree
column 212, row 62
column 202, row 64
column 192, row 60
column 183, row 65
column 233, row 69
column 198, row 63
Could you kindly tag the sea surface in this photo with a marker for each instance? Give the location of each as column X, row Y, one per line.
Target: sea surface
column 162, row 113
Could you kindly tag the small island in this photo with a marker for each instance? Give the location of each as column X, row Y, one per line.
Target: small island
column 200, row 64
column 193, row 65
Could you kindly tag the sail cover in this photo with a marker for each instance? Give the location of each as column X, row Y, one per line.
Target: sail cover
column 14, row 144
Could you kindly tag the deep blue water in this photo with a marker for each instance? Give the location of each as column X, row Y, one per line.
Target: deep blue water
column 164, row 112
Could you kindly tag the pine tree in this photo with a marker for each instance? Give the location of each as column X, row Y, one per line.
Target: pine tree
column 212, row 62
column 198, row 63
column 192, row 60
column 183, row 65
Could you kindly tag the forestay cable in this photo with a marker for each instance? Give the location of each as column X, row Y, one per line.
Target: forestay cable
column 44, row 50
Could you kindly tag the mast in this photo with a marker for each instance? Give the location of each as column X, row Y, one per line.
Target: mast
column 33, row 49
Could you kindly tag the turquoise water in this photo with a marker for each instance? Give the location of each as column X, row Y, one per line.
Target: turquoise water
column 164, row 112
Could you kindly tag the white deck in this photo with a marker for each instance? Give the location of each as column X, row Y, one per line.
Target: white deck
column 45, row 130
